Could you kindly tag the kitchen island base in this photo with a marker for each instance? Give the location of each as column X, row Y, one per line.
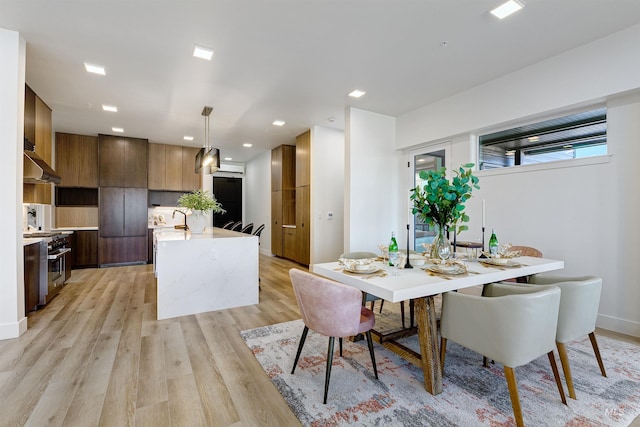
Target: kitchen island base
column 197, row 273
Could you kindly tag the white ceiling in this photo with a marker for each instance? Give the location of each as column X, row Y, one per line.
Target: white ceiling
column 293, row 60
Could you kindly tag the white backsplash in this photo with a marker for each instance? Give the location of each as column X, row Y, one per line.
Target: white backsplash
column 155, row 216
column 36, row 217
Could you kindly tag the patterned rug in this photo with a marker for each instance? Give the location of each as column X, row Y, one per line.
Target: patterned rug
column 472, row 395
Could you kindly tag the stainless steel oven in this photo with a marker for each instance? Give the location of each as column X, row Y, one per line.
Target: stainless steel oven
column 52, row 263
column 56, row 250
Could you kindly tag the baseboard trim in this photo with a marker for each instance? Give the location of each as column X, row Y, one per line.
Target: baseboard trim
column 615, row 324
column 13, row 330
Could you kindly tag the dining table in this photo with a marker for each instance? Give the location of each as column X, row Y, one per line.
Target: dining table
column 422, row 285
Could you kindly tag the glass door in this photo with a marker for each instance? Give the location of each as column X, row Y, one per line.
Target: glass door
column 424, row 161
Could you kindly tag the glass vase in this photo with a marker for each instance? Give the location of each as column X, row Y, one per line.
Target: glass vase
column 441, row 248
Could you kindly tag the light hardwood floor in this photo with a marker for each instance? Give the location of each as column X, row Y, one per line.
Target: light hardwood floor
column 97, row 356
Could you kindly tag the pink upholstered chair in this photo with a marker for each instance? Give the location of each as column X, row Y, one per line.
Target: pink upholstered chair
column 332, row 309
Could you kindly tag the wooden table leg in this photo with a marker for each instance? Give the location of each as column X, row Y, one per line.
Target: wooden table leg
column 428, row 337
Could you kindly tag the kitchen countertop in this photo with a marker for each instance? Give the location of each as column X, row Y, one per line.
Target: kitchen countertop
column 31, row 240
column 209, row 233
column 75, row 228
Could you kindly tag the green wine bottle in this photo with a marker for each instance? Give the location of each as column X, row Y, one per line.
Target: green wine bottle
column 393, row 249
column 493, row 243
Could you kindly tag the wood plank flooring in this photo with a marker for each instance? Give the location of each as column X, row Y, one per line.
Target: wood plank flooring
column 96, row 356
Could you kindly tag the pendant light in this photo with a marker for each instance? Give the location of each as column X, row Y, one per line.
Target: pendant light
column 208, row 158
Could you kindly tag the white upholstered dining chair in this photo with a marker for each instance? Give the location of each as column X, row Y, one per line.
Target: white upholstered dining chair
column 512, row 329
column 579, row 303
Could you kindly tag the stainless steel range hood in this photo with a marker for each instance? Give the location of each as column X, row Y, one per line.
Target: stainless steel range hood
column 37, row 171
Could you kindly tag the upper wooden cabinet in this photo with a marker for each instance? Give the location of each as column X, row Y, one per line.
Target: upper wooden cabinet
column 157, row 156
column 283, row 168
column 77, row 160
column 303, row 159
column 190, row 179
column 122, row 161
column 37, row 129
column 172, row 168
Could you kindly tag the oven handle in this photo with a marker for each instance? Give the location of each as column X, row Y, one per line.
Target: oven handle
column 58, row 254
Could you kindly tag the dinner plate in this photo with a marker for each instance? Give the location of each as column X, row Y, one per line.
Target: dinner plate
column 446, row 268
column 502, row 262
column 371, row 269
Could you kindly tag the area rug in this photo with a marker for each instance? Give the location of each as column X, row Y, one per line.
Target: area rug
column 472, row 395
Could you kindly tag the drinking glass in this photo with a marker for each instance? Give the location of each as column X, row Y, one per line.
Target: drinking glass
column 443, row 249
column 394, row 259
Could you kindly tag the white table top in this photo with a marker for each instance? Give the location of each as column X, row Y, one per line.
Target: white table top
column 416, row 282
column 172, row 235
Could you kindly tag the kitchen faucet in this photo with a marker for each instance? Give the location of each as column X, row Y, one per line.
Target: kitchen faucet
column 173, row 215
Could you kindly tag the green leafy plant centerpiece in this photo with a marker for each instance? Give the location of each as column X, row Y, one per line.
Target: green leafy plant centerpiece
column 440, row 202
column 200, row 202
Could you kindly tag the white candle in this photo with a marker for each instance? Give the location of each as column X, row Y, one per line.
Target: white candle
column 483, row 213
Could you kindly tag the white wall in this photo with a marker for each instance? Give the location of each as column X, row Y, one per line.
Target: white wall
column 327, row 194
column 373, row 205
column 12, row 70
column 594, row 71
column 583, row 212
column 258, row 201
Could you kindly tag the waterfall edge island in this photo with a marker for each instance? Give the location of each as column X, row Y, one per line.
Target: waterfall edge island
column 209, row 271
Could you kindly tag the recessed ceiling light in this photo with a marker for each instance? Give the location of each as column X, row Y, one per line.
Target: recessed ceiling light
column 506, row 9
column 533, row 138
column 228, row 158
column 95, row 69
column 567, row 146
column 510, row 152
column 119, row 130
column 247, row 145
column 111, row 108
column 357, row 93
column 202, row 52
column 278, row 123
column 188, row 138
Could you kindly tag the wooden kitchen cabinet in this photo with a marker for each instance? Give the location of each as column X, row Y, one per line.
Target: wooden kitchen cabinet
column 172, row 168
column 123, row 225
column 85, row 248
column 123, row 212
column 190, row 179
column 157, row 176
column 37, row 129
column 303, row 218
column 303, row 159
column 77, row 160
column 31, row 277
column 123, row 161
column 276, row 223
column 289, row 244
column 283, row 173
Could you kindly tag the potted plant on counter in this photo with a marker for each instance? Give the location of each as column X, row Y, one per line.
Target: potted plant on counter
column 200, row 202
column 440, row 202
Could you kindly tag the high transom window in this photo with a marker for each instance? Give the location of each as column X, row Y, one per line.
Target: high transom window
column 569, row 137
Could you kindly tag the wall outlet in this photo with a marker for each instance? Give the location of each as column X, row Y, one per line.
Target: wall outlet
column 329, row 215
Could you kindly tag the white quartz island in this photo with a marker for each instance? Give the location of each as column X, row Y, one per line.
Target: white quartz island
column 197, row 273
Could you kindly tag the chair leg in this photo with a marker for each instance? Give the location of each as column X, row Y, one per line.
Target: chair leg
column 304, row 337
column 373, row 356
column 556, row 374
column 594, row 344
column 402, row 313
column 443, row 352
column 566, row 368
column 381, row 305
column 510, row 374
column 340, row 343
column 328, row 373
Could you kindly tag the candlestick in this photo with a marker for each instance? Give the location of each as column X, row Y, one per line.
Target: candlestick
column 407, row 264
column 483, row 214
